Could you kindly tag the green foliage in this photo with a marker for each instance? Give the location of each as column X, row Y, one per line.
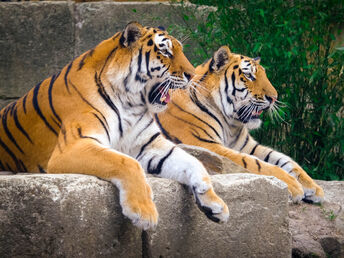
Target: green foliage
column 295, row 41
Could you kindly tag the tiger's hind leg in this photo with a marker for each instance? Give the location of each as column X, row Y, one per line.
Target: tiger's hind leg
column 87, row 156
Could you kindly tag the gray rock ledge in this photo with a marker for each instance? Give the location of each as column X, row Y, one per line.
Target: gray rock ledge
column 79, row 216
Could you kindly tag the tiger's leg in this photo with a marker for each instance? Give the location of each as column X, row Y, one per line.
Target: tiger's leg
column 313, row 192
column 88, row 156
column 259, row 167
column 162, row 158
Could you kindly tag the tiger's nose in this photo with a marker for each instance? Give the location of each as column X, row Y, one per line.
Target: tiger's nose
column 188, row 76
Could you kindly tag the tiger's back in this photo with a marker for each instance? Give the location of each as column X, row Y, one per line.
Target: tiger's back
column 34, row 125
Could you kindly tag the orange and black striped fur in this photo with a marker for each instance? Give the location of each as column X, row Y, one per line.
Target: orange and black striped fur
column 95, row 117
column 230, row 93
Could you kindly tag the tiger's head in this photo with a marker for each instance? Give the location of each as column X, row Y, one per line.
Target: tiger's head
column 151, row 62
column 238, row 86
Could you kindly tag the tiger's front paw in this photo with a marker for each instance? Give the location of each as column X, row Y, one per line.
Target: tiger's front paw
column 140, row 209
column 313, row 193
column 296, row 193
column 212, row 205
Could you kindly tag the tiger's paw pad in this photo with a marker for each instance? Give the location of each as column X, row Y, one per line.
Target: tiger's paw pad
column 212, row 206
column 144, row 216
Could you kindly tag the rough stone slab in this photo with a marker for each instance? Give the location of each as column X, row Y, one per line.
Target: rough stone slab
column 258, row 225
column 79, row 216
column 36, row 41
column 63, row 216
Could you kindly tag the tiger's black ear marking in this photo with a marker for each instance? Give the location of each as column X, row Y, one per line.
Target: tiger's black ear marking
column 257, row 59
column 220, row 59
column 161, row 28
column 131, row 34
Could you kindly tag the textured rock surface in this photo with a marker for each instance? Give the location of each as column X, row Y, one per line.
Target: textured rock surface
column 79, row 216
column 257, row 226
column 318, row 231
column 36, row 41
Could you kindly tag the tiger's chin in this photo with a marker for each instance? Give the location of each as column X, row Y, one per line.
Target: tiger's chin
column 254, row 123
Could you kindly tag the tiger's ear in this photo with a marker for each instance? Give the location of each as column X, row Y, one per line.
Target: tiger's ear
column 257, row 59
column 131, row 34
column 220, row 59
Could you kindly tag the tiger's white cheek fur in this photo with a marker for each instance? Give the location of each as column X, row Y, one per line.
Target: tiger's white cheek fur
column 253, row 124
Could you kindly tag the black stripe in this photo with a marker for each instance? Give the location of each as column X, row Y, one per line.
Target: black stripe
column 267, row 157
column 245, row 143
column 9, row 168
column 41, row 170
column 276, row 163
column 17, row 123
column 195, row 100
column 157, row 170
column 125, row 81
column 101, row 121
column 51, row 84
column 226, row 82
column 2, row 166
column 66, row 76
column 24, row 103
column 233, row 83
column 87, row 102
column 259, row 167
column 9, row 152
column 284, row 164
column 107, row 99
column 82, row 62
column 203, row 139
column 24, row 169
column 161, row 75
column 63, row 131
column 198, row 118
column 139, row 60
column 203, row 76
column 244, row 162
column 147, row 64
column 149, row 123
column 7, row 131
column 192, row 124
column 147, row 143
column 86, row 137
column 165, row 133
column 254, row 149
column 37, row 108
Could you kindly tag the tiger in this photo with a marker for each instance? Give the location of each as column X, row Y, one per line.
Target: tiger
column 95, row 117
column 229, row 93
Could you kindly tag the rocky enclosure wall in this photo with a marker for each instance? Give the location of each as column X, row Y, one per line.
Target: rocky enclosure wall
column 37, row 39
column 79, row 216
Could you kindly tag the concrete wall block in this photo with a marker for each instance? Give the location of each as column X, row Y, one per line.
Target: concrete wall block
column 36, row 41
column 79, row 216
column 97, row 21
